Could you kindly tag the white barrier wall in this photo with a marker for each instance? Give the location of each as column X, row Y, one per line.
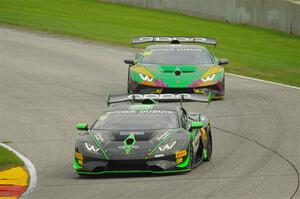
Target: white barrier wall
column 283, row 15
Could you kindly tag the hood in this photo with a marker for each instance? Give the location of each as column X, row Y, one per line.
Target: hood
column 177, row 76
column 127, row 145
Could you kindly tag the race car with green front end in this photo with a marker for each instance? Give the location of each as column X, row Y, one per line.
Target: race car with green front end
column 144, row 136
column 176, row 67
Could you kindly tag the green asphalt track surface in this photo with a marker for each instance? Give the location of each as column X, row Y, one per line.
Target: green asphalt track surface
column 50, row 83
column 254, row 52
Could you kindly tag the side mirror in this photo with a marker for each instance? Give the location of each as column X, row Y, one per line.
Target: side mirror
column 128, row 61
column 197, row 125
column 223, row 61
column 82, row 126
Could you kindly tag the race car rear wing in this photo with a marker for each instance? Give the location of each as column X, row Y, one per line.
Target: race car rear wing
column 111, row 99
column 174, row 39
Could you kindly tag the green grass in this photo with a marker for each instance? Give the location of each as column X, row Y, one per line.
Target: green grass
column 8, row 159
column 254, row 52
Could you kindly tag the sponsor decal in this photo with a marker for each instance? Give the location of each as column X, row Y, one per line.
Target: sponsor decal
column 177, row 49
column 141, row 107
column 157, row 111
column 121, row 112
column 166, row 39
column 189, row 49
column 160, row 96
column 145, row 111
column 209, row 78
column 129, row 147
column 146, row 78
column 132, row 132
column 91, row 147
column 167, row 146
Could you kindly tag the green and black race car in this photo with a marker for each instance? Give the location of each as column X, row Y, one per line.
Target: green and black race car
column 144, row 137
column 176, row 68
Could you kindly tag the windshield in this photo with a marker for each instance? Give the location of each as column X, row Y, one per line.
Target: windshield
column 137, row 120
column 177, row 56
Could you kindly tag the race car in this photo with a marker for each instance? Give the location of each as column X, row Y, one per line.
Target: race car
column 176, row 68
column 144, row 136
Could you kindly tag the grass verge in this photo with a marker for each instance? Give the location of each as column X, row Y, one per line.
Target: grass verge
column 255, row 52
column 8, row 159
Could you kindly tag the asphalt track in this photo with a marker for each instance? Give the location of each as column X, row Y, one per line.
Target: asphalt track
column 50, row 83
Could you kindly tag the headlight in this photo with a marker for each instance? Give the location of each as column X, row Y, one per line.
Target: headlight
column 209, row 78
column 91, row 147
column 167, row 146
column 146, row 78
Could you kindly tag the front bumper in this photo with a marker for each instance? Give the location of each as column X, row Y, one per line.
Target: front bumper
column 216, row 91
column 153, row 165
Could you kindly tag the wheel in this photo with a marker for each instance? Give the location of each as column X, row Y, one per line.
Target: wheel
column 209, row 144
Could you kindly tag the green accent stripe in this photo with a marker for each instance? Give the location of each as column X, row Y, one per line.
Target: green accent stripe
column 133, row 171
column 99, row 145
